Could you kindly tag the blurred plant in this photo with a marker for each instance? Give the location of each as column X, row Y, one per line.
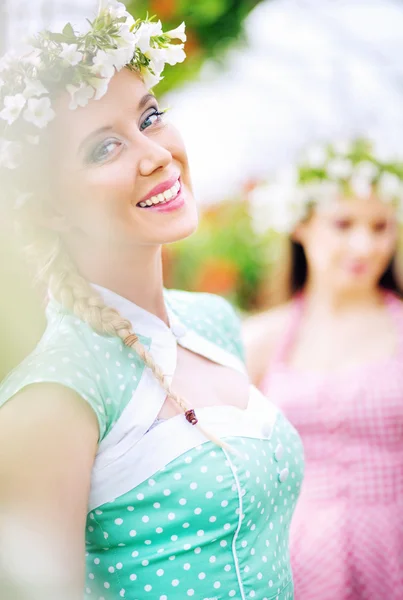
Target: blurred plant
column 211, row 26
column 225, row 257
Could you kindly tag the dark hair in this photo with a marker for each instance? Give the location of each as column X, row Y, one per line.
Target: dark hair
column 299, row 272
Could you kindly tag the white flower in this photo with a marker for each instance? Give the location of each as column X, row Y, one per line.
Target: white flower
column 121, row 57
column 39, row 112
column 173, row 54
column 1, row 82
column 116, row 9
column 342, row 147
column 389, row 185
column 316, row 157
column 144, row 34
column 70, row 54
column 360, row 186
column 9, row 154
column 80, row 96
column 339, row 168
column 103, row 64
column 34, row 57
column 100, row 85
column 8, row 60
column 367, row 169
column 33, row 87
column 126, row 38
column 178, row 33
column 13, row 106
column 150, row 80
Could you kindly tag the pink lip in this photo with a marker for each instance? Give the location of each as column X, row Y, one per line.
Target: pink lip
column 358, row 268
column 160, row 188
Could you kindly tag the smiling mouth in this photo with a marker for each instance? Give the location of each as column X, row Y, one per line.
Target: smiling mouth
column 163, row 197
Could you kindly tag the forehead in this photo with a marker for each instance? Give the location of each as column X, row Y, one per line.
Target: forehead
column 125, row 91
column 358, row 208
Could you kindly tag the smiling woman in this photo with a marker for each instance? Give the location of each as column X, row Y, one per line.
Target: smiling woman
column 103, row 455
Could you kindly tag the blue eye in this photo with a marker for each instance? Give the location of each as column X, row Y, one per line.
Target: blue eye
column 103, row 151
column 154, row 117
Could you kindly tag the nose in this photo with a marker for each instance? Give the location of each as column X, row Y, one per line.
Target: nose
column 361, row 241
column 153, row 156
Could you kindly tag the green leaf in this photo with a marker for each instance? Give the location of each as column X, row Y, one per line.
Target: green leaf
column 68, row 31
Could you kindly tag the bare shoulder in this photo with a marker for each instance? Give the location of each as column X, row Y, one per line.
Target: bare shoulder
column 48, row 444
column 261, row 334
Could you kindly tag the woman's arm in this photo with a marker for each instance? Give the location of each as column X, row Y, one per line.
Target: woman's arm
column 48, row 441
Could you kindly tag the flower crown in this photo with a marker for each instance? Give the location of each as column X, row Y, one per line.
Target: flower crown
column 81, row 63
column 327, row 172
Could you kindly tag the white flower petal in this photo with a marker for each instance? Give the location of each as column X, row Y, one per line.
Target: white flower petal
column 39, row 112
column 33, row 87
column 13, row 106
column 178, row 33
column 80, row 96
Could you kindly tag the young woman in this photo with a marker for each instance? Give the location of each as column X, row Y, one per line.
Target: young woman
column 102, row 453
column 332, row 360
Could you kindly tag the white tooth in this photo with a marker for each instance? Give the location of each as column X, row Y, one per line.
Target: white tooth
column 155, row 200
column 177, row 186
column 149, row 202
column 168, row 194
column 160, row 197
column 143, row 204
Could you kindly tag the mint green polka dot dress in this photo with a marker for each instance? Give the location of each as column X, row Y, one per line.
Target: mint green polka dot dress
column 170, row 515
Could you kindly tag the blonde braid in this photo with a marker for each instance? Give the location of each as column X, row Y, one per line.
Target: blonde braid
column 74, row 292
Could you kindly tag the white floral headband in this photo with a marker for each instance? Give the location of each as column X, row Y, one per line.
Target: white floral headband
column 81, row 63
column 326, row 172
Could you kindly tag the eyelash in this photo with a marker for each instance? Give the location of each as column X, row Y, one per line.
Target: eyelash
column 112, row 141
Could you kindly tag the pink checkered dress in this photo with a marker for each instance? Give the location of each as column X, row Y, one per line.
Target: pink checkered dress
column 347, row 532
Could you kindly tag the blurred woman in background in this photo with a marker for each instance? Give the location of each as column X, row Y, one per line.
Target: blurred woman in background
column 332, row 359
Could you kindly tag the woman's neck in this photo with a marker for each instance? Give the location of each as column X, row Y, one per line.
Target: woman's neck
column 323, row 298
column 135, row 275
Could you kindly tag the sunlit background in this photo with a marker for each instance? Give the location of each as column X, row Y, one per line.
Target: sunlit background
column 262, row 80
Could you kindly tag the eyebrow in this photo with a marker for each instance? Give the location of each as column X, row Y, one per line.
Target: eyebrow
column 146, row 98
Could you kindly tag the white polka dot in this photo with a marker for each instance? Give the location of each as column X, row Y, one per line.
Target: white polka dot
column 232, row 593
column 174, row 538
column 201, row 575
column 182, row 501
column 145, row 563
column 186, row 566
column 217, row 585
column 118, row 521
column 220, row 478
column 227, row 526
column 160, row 572
column 171, row 516
column 213, row 519
column 209, row 495
column 190, row 592
column 96, row 561
column 177, row 476
column 167, row 492
column 200, row 532
column 223, row 543
column 147, row 588
column 227, row 568
column 185, row 525
column 175, row 582
column 188, row 459
column 119, row 565
column 107, row 585
column 111, row 569
column 151, row 482
column 135, row 553
column 140, row 496
column 145, row 519
column 187, row 546
column 197, row 511
column 130, row 508
column 197, row 550
column 163, row 597
column 212, row 559
column 157, row 505
column 203, row 469
column 193, row 485
column 91, row 575
column 224, row 503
